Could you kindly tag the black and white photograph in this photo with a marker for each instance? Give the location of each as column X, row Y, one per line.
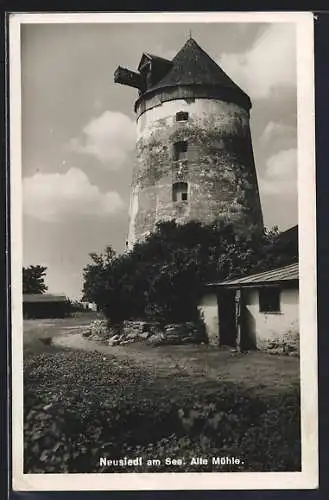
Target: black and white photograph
column 162, row 171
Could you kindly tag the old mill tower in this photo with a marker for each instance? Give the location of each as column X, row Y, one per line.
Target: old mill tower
column 194, row 151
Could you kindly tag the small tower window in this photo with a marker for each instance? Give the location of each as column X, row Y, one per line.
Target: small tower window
column 181, row 116
column 179, row 191
column 180, row 149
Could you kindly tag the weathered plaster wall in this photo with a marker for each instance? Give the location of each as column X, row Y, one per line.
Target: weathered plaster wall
column 265, row 328
column 219, row 166
column 208, row 308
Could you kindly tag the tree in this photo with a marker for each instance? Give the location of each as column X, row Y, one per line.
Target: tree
column 95, row 275
column 162, row 278
column 34, row 279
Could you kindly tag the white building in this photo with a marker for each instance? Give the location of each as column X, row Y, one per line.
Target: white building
column 253, row 311
column 89, row 306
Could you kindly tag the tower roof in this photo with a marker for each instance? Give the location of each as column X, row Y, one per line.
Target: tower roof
column 193, row 66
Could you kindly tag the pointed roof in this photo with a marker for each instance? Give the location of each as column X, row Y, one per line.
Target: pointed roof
column 193, row 66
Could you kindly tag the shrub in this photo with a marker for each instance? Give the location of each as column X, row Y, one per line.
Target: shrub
column 161, row 279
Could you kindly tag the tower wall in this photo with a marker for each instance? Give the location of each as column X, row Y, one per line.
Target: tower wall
column 217, row 169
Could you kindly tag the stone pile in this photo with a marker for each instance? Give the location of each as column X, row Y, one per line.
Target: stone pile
column 287, row 344
column 134, row 331
column 150, row 332
column 155, row 334
column 184, row 333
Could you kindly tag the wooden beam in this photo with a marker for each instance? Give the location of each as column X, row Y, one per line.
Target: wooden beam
column 128, row 77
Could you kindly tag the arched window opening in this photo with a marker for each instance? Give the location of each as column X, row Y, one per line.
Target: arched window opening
column 180, row 150
column 181, row 116
column 180, row 191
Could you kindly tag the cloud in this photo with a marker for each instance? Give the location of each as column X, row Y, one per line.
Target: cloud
column 110, row 138
column 280, row 177
column 270, row 63
column 279, row 136
column 54, row 197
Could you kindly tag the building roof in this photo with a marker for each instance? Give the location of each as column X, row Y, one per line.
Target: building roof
column 43, row 297
column 281, row 274
column 152, row 57
column 193, row 66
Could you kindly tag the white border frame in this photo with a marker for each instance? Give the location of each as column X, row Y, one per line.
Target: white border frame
column 308, row 477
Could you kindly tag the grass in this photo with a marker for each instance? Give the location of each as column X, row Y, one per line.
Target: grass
column 160, row 402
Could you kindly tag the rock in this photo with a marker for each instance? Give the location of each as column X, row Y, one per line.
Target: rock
column 131, row 335
column 157, row 338
column 186, row 340
column 116, row 342
column 138, row 330
column 276, row 351
column 145, row 335
column 294, row 354
column 113, row 340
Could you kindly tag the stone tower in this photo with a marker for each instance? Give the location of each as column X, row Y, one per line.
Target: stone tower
column 194, row 158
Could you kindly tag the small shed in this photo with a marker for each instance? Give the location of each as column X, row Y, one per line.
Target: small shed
column 45, row 305
column 88, row 306
column 253, row 311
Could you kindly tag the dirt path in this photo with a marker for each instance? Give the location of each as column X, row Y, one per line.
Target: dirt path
column 154, row 359
column 258, row 371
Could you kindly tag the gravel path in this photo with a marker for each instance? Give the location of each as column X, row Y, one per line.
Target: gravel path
column 258, row 371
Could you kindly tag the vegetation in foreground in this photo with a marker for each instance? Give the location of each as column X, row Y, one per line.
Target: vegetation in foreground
column 80, row 406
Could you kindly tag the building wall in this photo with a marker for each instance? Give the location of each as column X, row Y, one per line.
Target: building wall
column 208, row 308
column 263, row 328
column 260, row 328
column 45, row 309
column 219, row 166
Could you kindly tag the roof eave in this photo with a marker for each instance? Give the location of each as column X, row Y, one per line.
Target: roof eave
column 150, row 92
column 255, row 284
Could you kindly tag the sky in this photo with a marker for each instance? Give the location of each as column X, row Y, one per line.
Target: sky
column 78, row 129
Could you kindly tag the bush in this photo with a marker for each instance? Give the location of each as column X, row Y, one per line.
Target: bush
column 80, row 407
column 162, row 278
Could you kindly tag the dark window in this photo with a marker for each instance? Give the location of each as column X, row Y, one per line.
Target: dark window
column 180, row 149
column 182, row 116
column 269, row 300
column 179, row 191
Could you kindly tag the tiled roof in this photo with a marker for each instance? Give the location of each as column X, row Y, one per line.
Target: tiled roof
column 286, row 273
column 193, row 66
column 43, row 297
